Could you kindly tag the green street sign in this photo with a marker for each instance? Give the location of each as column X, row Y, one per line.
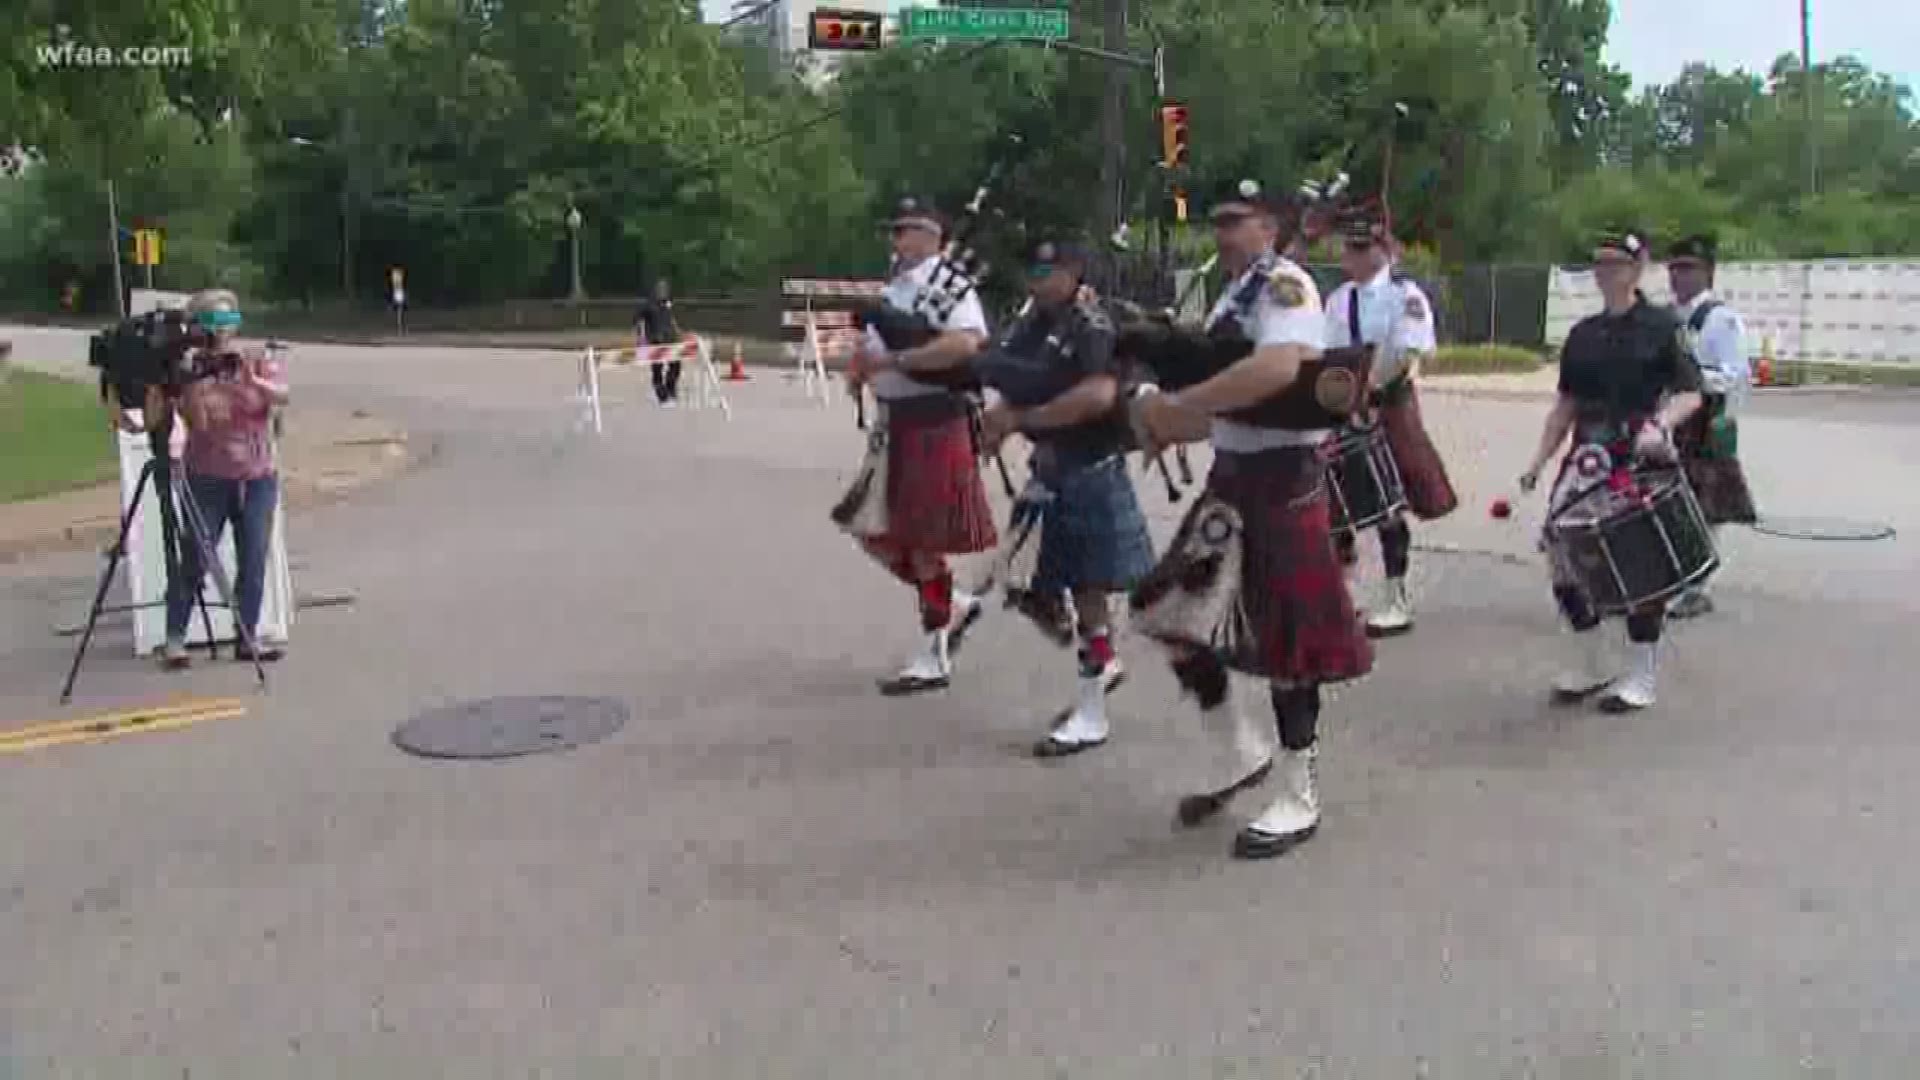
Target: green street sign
column 1048, row 24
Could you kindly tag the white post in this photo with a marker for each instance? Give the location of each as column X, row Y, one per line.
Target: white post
column 710, row 389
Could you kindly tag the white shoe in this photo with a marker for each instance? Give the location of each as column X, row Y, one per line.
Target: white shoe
column 1085, row 727
column 1293, row 816
column 1396, row 616
column 1634, row 690
column 1241, row 758
column 1692, row 603
column 1591, row 665
column 930, row 670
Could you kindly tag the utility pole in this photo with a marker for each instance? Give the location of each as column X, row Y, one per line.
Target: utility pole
column 1113, row 131
column 1807, row 94
column 113, row 230
column 346, row 207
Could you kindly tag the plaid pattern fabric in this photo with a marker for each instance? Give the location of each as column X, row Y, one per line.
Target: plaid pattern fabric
column 1719, row 483
column 935, row 500
column 1423, row 475
column 1093, row 534
column 1302, row 622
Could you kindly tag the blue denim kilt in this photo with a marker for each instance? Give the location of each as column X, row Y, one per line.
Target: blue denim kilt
column 1092, row 534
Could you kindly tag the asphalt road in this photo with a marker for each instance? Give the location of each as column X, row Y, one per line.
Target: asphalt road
column 773, row 872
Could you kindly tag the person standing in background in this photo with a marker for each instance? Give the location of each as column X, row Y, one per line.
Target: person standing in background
column 653, row 324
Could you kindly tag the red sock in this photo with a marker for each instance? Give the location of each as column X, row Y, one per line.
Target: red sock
column 936, row 602
column 1096, row 654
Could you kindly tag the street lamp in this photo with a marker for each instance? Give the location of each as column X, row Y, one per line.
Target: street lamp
column 346, row 225
column 573, row 231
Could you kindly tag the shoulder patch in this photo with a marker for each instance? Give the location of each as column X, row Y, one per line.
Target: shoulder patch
column 1416, row 307
column 1287, row 290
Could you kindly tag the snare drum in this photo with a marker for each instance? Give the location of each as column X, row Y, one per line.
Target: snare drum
column 1364, row 480
column 1642, row 545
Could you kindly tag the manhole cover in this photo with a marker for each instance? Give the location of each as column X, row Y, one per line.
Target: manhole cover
column 510, row 726
column 1814, row 528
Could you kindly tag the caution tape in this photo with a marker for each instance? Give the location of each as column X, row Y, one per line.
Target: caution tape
column 99, row 728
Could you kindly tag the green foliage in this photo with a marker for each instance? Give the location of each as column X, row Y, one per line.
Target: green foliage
column 1482, row 360
column 450, row 137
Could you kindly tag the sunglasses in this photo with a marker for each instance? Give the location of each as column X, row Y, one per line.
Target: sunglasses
column 218, row 320
column 1686, row 264
column 1357, row 246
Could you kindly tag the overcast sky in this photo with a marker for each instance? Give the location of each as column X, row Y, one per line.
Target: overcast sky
column 1653, row 39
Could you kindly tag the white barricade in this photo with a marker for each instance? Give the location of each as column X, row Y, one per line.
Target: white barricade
column 825, row 334
column 1853, row 310
column 693, row 349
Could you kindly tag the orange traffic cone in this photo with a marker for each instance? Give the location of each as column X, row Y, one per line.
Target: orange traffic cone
column 738, row 372
column 1763, row 368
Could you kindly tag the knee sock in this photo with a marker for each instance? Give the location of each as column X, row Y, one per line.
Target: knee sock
column 1396, row 546
column 1643, row 628
column 1575, row 608
column 936, row 601
column 1096, row 652
column 1296, row 712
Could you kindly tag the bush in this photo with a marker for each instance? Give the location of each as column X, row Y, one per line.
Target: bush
column 1482, row 360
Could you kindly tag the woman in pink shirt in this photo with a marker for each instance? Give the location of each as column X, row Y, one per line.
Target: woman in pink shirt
column 230, row 465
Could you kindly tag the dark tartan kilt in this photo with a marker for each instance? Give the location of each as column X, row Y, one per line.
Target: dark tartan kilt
column 1719, row 483
column 936, row 502
column 1429, row 491
column 1093, row 535
column 1304, row 628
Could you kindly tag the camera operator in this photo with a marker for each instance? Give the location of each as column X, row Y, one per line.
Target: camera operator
column 231, row 474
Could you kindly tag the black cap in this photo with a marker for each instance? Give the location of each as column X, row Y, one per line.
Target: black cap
column 1056, row 254
column 1363, row 225
column 914, row 211
column 1243, row 197
column 1625, row 241
column 1698, row 247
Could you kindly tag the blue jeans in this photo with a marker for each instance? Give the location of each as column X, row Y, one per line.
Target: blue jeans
column 248, row 505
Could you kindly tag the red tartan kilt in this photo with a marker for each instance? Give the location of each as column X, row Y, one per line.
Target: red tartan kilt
column 1304, row 625
column 1430, row 493
column 935, row 500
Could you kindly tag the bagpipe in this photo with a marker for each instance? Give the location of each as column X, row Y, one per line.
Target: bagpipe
column 957, row 272
column 1171, row 356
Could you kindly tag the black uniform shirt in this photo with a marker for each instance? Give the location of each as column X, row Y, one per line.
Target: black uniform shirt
column 1617, row 368
column 1046, row 354
column 654, row 318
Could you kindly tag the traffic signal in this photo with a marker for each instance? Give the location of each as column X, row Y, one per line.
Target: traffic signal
column 1173, row 136
column 837, row 29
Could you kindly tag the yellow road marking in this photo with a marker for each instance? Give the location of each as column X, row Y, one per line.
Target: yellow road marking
column 88, row 729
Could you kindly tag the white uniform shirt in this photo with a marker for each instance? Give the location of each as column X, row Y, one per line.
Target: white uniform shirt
column 903, row 292
column 1721, row 349
column 1394, row 315
column 1271, row 320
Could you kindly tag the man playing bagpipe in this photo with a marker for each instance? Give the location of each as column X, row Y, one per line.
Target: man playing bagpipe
column 1709, row 441
column 1251, row 582
column 1379, row 307
column 1058, row 385
column 919, row 497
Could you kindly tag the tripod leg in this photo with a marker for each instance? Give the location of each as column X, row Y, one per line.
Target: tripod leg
column 210, row 559
column 180, row 500
column 114, row 556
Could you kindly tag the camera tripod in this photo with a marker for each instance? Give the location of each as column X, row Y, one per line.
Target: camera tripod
column 171, row 492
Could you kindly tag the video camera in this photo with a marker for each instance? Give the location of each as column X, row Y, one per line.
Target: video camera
column 150, row 350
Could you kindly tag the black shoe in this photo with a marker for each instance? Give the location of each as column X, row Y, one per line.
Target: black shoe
column 262, row 652
column 1251, row 843
column 1197, row 810
column 1053, row 747
column 903, row 685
